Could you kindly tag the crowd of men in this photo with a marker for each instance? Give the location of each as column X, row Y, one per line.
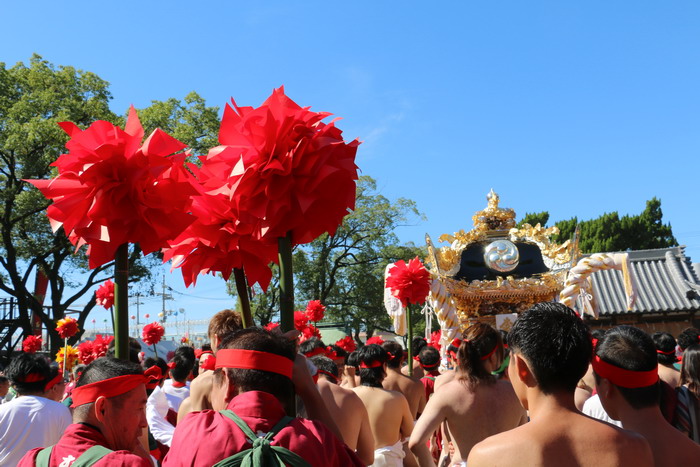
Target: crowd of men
column 549, row 392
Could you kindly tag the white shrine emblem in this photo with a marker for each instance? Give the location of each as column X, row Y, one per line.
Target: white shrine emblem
column 67, row 461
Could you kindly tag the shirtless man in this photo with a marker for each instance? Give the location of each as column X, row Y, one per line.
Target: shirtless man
column 550, row 349
column 352, row 418
column 389, row 414
column 666, row 356
column 221, row 324
column 627, row 380
column 474, row 404
column 411, row 388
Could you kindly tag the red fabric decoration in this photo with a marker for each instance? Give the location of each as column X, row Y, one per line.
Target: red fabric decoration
column 456, row 342
column 152, row 333
column 289, row 172
column 31, row 378
column 254, row 360
column 271, row 326
column 435, row 337
column 374, row 340
column 110, row 387
column 32, row 344
column 315, row 310
column 347, row 343
column 67, row 327
column 105, row 294
column 624, row 378
column 315, row 352
column 410, row 282
column 488, row 355
column 111, row 189
column 171, row 365
column 330, row 353
column 56, row 379
column 300, row 320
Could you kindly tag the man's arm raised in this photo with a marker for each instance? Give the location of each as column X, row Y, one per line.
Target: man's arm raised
column 426, row 425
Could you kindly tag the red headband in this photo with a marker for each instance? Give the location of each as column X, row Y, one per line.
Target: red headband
column 31, row 378
column 110, row 387
column 624, row 378
column 171, row 365
column 374, row 364
column 488, row 355
column 254, row 360
column 57, row 379
column 315, row 352
column 330, row 375
column 156, row 376
column 672, row 352
column 208, row 364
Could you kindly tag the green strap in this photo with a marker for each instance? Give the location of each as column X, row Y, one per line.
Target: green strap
column 262, row 454
column 86, row 459
column 43, row 457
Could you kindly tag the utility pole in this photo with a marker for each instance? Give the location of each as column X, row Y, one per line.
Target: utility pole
column 165, row 296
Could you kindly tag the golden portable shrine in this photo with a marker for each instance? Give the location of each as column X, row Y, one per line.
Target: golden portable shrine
column 497, row 269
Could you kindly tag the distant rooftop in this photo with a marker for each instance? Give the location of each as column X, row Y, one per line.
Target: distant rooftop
column 666, row 281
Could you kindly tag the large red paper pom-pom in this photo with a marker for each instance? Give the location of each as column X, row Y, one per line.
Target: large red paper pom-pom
column 105, row 294
column 67, row 327
column 308, row 332
column 289, row 171
column 111, row 189
column 410, row 282
column 271, row 326
column 300, row 320
column 152, row 333
column 315, row 310
column 374, row 340
column 32, row 344
column 347, row 343
column 100, row 346
column 86, row 352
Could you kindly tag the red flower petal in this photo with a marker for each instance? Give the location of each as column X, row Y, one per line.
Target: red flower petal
column 409, row 283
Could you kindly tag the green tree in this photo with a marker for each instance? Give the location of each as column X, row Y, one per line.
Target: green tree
column 33, row 99
column 610, row 232
column 534, row 218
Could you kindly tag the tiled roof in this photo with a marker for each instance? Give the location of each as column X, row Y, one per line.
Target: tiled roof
column 666, row 282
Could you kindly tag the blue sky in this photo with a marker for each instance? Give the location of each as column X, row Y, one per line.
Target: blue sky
column 577, row 108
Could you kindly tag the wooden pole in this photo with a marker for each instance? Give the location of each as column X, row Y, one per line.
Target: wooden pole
column 409, row 332
column 286, row 283
column 121, row 302
column 242, row 289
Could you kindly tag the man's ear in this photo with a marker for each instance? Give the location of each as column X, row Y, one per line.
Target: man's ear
column 100, row 409
column 229, row 389
column 523, row 371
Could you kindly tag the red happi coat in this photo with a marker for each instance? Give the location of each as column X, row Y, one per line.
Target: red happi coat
column 205, row 438
column 77, row 439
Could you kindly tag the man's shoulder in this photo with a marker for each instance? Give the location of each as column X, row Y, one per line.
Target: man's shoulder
column 506, row 445
column 123, row 458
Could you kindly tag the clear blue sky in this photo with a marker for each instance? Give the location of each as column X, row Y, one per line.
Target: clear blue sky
column 577, row 108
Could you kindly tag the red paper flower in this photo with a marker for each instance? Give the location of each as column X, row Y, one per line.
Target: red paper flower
column 347, row 343
column 32, row 344
column 409, row 283
column 315, row 310
column 300, row 320
column 271, row 326
column 67, row 327
column 105, row 294
column 152, row 333
column 112, row 190
column 374, row 340
column 308, row 332
column 100, row 346
column 435, row 339
column 86, row 352
column 289, row 172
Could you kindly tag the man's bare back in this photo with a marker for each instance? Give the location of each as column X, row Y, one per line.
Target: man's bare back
column 472, row 415
column 563, row 437
column 411, row 388
column 670, row 375
column 351, row 417
column 200, row 390
column 389, row 415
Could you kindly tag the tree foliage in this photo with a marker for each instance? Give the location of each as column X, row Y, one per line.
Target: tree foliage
column 33, row 99
column 610, row 232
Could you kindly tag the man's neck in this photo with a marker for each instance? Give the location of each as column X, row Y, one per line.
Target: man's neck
column 542, row 405
column 643, row 420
